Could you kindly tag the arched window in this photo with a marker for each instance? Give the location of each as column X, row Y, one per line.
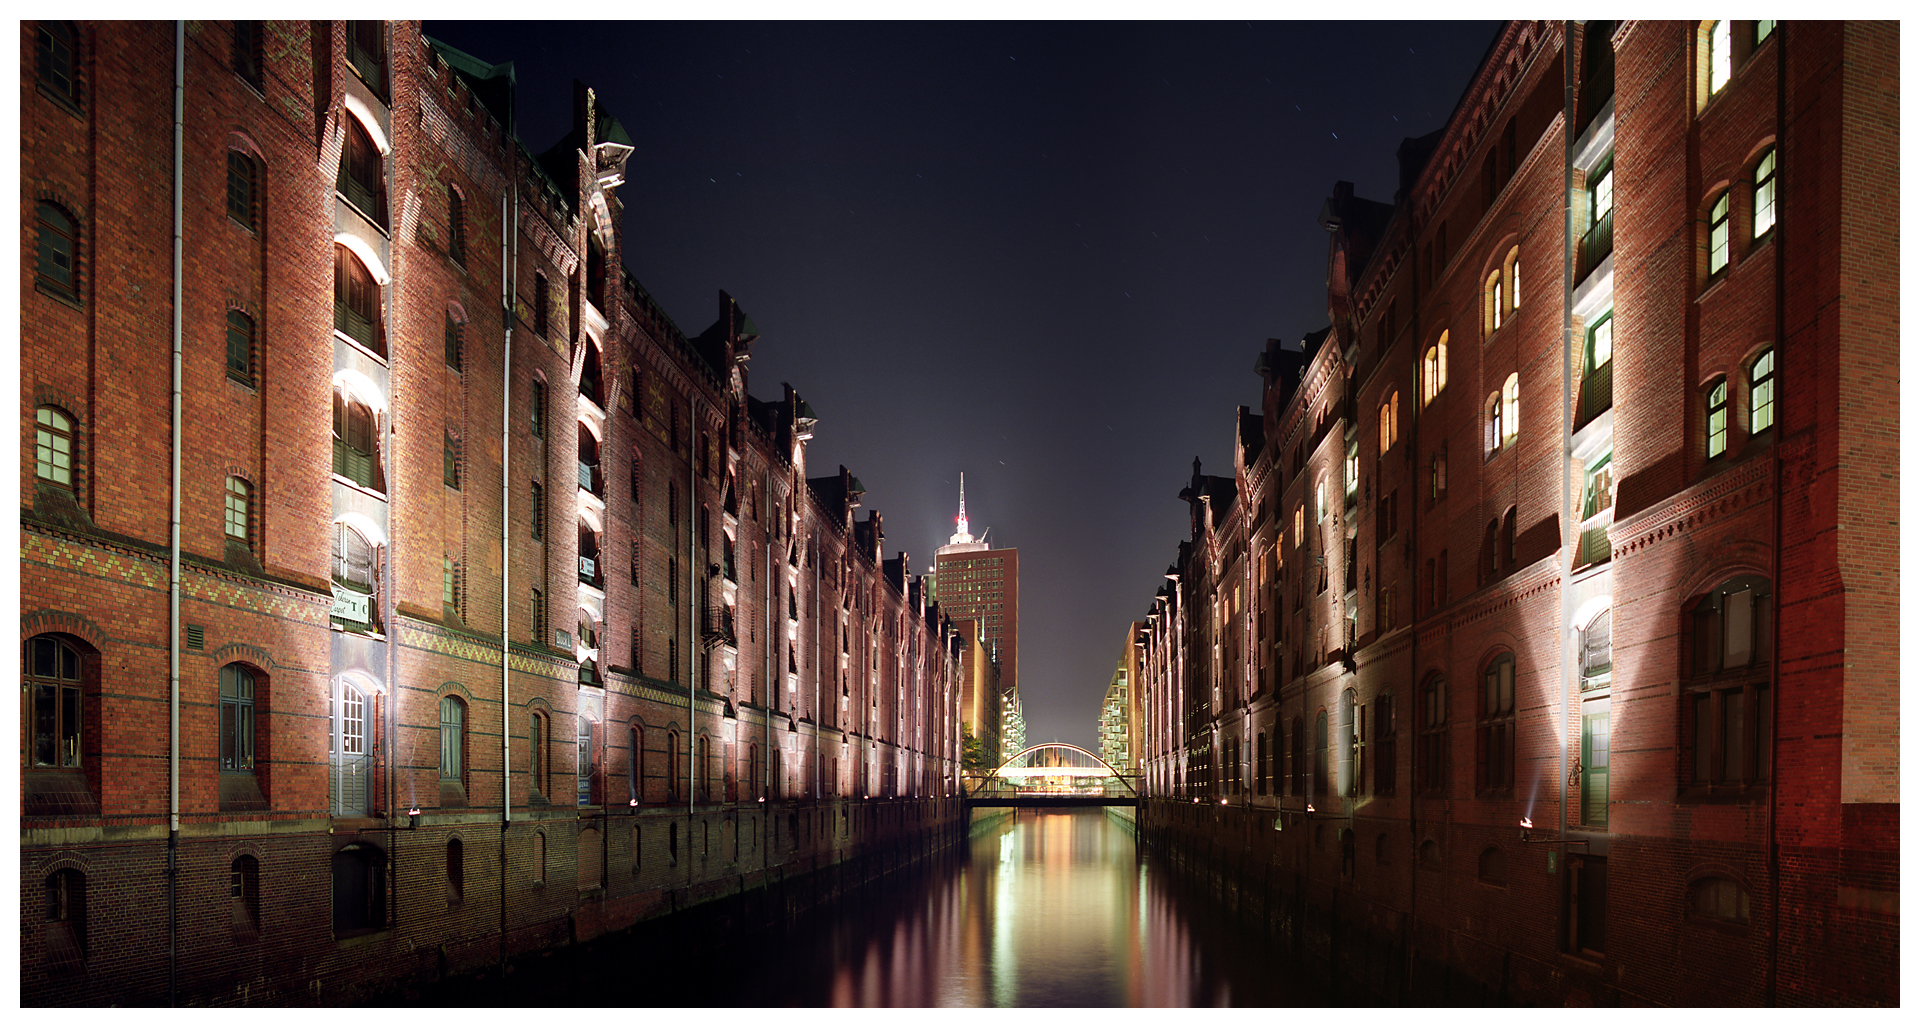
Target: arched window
column 361, row 181
column 703, row 761
column 359, row 889
column 1763, row 192
column 1760, row 393
column 53, row 446
column 243, row 891
column 239, row 500
column 236, row 718
column 589, row 556
column 240, row 347
column 673, row 765
column 243, row 189
column 1385, row 744
column 1433, row 370
column 536, row 753
column 1496, row 425
column 1495, row 300
column 1717, row 234
column 1596, row 652
column 539, row 859
column 456, row 870
column 634, row 756
column 1721, row 899
column 1507, row 527
column 1717, row 418
column 1729, row 701
column 58, row 254
column 586, row 769
column 356, row 301
column 54, row 706
column 1430, row 746
column 1510, row 404
column 66, row 931
column 1493, row 865
column 455, row 341
column 453, row 740
column 1496, row 735
column 1429, row 853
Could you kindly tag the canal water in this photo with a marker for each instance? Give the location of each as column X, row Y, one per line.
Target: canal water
column 1043, row 909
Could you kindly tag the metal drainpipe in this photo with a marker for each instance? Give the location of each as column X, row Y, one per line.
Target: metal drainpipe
column 173, row 532
column 693, row 637
column 1779, row 545
column 509, row 275
column 1568, row 534
column 389, row 717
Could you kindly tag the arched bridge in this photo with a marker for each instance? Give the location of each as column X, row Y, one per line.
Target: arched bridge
column 1054, row 774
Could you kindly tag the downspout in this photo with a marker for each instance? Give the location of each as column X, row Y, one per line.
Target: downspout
column 1779, row 546
column 509, row 272
column 390, row 606
column 1568, row 654
column 766, row 709
column 693, row 635
column 173, row 533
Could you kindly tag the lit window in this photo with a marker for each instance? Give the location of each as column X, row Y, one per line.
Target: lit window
column 53, row 446
column 1510, row 400
column 1601, row 341
column 1433, row 370
column 1760, row 393
column 1763, row 195
column 1761, row 30
column 1352, row 468
column 1494, row 286
column 1513, row 276
column 1717, row 235
column 1719, row 56
column 1717, row 419
column 237, row 496
column 236, row 718
column 1721, row 899
column 1603, row 194
column 1496, row 433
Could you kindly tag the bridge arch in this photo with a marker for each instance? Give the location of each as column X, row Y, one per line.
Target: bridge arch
column 1112, row 772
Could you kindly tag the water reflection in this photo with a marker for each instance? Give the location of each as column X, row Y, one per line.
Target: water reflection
column 1044, row 910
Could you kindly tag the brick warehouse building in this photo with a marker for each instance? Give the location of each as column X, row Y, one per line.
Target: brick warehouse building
column 1601, row 435
column 713, row 679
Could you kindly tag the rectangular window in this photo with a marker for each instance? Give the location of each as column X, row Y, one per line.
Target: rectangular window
column 1352, row 469
column 450, row 459
column 538, row 498
column 1719, row 56
column 240, row 188
column 537, row 409
column 240, row 347
column 538, row 617
column 453, row 723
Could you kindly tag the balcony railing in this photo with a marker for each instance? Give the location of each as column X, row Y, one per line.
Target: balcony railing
column 1596, row 394
column 1596, row 245
column 718, row 630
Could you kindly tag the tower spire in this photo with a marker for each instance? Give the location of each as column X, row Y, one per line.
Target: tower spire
column 963, row 503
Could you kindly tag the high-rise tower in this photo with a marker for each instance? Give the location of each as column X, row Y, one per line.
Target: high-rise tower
column 975, row 583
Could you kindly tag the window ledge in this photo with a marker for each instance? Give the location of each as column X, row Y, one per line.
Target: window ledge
column 241, row 225
column 253, row 87
column 1714, row 281
column 340, row 336
column 340, row 479
column 1718, row 795
column 61, row 295
column 65, row 103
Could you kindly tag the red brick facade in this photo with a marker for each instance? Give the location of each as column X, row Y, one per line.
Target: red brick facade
column 722, row 682
column 1615, row 570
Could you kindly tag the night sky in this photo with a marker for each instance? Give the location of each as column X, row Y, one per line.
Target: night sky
column 1044, row 254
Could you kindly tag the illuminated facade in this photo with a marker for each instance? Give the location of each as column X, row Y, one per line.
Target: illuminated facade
column 501, row 613
column 1120, row 710
column 1542, row 626
column 974, row 583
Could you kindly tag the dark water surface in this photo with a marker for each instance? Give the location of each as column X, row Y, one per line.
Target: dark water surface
column 1044, row 910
